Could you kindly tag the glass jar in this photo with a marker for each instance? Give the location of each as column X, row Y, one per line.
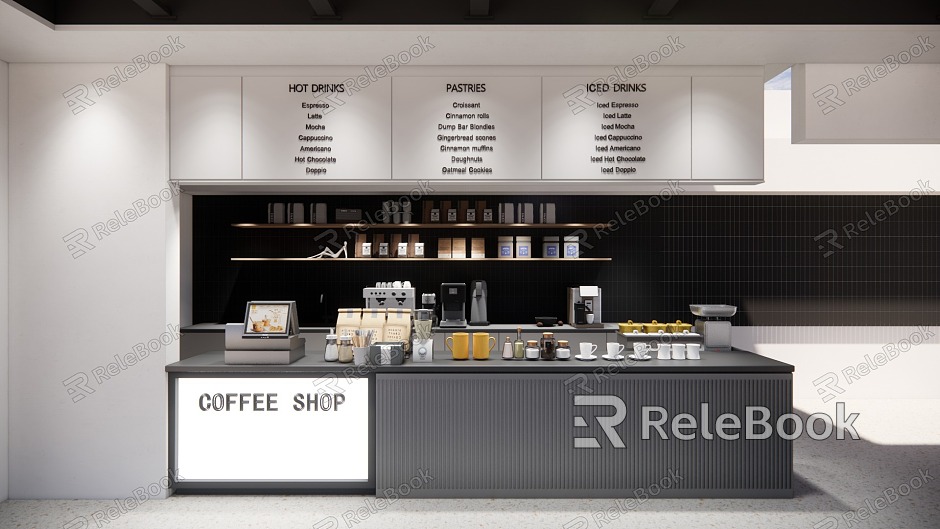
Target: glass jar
column 332, row 353
column 547, row 346
column 562, row 352
column 532, row 350
column 345, row 349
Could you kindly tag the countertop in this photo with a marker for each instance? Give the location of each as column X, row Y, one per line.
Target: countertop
column 732, row 362
column 493, row 327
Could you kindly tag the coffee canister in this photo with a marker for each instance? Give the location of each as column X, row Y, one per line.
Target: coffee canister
column 523, row 247
column 572, row 247
column 563, row 351
column 551, row 247
column 506, row 250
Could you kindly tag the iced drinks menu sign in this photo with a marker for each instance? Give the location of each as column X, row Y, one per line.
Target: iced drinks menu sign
column 465, row 128
column 315, row 129
column 639, row 129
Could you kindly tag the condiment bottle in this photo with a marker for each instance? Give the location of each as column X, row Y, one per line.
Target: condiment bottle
column 332, row 354
column 518, row 347
column 345, row 349
column 532, row 350
column 507, row 349
column 547, row 346
column 562, row 352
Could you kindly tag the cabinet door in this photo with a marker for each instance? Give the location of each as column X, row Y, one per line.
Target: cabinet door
column 205, row 128
column 728, row 128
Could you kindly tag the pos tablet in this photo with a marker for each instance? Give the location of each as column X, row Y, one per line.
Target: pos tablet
column 270, row 319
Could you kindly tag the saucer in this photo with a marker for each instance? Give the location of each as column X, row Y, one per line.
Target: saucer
column 639, row 358
column 586, row 358
column 613, row 358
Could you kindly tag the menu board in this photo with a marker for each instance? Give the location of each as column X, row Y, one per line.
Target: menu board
column 637, row 129
column 466, row 128
column 324, row 128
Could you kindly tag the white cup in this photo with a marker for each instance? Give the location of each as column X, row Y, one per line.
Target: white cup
column 665, row 351
column 589, row 317
column 614, row 349
column 587, row 349
column 641, row 350
column 678, row 351
column 694, row 349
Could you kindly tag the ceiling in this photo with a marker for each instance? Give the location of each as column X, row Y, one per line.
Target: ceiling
column 28, row 37
column 446, row 12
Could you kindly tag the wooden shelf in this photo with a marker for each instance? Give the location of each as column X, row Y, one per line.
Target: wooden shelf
column 436, row 225
column 418, row 259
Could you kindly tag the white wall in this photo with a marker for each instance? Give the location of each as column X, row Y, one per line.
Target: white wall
column 4, row 293
column 74, row 314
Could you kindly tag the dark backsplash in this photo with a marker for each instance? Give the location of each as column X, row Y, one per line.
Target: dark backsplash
column 758, row 252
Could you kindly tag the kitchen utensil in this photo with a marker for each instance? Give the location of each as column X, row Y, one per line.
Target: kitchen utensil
column 641, row 350
column 654, row 327
column 678, row 327
column 630, row 327
column 478, row 295
column 532, row 350
column 614, row 349
column 507, row 349
column 458, row 344
column 694, row 351
column 518, row 346
column 546, row 321
column 344, row 350
column 584, row 300
column 664, row 352
column 360, row 355
column 563, row 351
column 482, row 345
column 714, row 325
column 547, row 346
column 453, row 305
column 331, row 354
column 587, row 349
column 678, row 351
column 589, row 317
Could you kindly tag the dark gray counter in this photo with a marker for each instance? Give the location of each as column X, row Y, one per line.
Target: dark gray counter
column 736, row 361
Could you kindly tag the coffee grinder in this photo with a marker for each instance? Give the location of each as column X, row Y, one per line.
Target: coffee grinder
column 429, row 302
column 714, row 325
column 584, row 307
column 453, row 305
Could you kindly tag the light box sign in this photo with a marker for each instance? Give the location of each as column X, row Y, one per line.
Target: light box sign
column 272, row 429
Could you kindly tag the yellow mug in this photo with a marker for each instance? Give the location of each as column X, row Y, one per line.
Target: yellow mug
column 480, row 342
column 458, row 344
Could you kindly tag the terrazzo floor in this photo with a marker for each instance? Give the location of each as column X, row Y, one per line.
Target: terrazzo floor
column 900, row 439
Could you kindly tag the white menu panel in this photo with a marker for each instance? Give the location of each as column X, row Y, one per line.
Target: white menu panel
column 466, row 128
column 638, row 129
column 305, row 128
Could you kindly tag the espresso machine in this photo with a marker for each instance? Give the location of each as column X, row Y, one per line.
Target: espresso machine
column 714, row 325
column 584, row 307
column 453, row 305
column 478, row 302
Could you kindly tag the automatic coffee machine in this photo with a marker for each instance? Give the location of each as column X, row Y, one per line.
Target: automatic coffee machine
column 584, row 307
column 714, row 325
column 453, row 305
column 478, row 302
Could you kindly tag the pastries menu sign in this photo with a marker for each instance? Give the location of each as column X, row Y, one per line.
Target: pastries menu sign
column 639, row 129
column 302, row 128
column 466, row 128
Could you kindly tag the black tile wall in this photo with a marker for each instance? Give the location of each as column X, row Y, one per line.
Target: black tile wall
column 772, row 256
